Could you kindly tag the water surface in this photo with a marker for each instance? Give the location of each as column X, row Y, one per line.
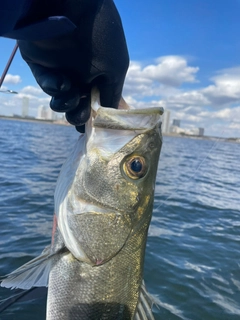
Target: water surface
column 193, row 252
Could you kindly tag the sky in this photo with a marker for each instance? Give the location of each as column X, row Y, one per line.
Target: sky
column 185, row 57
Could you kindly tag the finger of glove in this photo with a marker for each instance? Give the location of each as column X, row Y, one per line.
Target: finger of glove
column 53, row 83
column 110, row 94
column 80, row 115
column 66, row 102
column 80, row 129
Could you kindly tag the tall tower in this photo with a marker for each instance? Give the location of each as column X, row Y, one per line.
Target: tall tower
column 201, row 132
column 25, row 106
column 42, row 112
column 51, row 115
column 176, row 123
column 166, row 121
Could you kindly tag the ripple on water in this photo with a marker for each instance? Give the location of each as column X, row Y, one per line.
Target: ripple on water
column 193, row 253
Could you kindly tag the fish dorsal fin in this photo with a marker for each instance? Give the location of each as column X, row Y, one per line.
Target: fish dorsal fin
column 144, row 306
column 34, row 273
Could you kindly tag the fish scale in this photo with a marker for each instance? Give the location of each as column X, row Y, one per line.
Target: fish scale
column 108, row 291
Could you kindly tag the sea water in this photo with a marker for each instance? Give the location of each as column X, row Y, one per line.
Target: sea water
column 192, row 261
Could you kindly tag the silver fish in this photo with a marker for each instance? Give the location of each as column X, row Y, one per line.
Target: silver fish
column 103, row 207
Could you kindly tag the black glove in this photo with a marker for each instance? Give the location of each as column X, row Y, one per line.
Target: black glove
column 95, row 54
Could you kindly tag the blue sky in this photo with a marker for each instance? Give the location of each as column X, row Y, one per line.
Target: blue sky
column 185, row 56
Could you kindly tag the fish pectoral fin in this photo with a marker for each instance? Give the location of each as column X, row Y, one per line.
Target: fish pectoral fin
column 144, row 306
column 32, row 274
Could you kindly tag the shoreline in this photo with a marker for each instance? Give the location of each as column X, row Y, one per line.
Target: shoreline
column 65, row 123
column 60, row 122
column 212, row 138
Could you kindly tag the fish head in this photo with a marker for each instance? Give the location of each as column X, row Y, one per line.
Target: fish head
column 110, row 189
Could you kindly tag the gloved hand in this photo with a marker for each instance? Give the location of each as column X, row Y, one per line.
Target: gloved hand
column 95, row 54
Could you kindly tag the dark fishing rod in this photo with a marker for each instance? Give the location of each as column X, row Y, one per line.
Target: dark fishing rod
column 7, row 67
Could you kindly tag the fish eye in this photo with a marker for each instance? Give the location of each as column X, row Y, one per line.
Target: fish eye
column 135, row 167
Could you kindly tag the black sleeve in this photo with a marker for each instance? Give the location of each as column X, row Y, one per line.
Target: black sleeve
column 42, row 19
column 12, row 11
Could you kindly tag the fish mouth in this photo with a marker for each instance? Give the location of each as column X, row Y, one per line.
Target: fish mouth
column 123, row 118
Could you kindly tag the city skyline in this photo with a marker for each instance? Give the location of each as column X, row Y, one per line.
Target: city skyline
column 173, row 126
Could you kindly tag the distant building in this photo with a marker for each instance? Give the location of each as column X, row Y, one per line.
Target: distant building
column 192, row 131
column 42, row 112
column 166, row 121
column 46, row 113
column 201, row 132
column 176, row 129
column 176, row 123
column 51, row 115
column 25, row 107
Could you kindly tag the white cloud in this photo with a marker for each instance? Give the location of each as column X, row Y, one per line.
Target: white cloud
column 12, row 79
column 229, row 115
column 35, row 95
column 212, row 107
column 159, row 79
column 226, row 88
column 192, row 98
column 164, row 79
column 32, row 90
column 3, row 88
column 171, row 71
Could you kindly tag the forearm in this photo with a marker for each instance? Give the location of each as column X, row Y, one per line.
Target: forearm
column 14, row 11
column 17, row 15
column 72, row 46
